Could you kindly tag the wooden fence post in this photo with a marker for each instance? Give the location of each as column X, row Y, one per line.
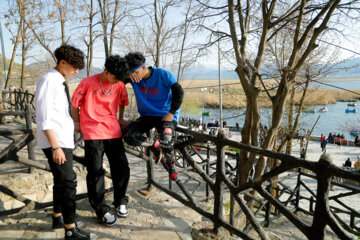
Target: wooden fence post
column 219, row 182
column 322, row 214
column 31, row 145
column 207, row 170
column 298, row 191
column 16, row 95
column 2, row 119
column 268, row 205
column 232, row 199
column 150, row 166
column 311, row 204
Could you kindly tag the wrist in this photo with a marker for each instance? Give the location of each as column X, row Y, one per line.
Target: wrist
column 55, row 148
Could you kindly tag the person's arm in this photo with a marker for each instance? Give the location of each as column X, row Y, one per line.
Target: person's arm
column 76, row 117
column 44, row 114
column 135, row 77
column 76, row 100
column 176, row 101
column 57, row 153
column 122, row 122
column 124, row 101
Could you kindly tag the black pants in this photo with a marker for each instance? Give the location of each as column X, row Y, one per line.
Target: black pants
column 145, row 123
column 64, row 189
column 119, row 169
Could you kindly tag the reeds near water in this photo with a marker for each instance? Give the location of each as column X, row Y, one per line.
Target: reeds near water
column 234, row 96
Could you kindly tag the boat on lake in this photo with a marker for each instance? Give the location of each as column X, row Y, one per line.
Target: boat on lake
column 352, row 104
column 355, row 132
column 306, row 109
column 310, row 110
column 350, row 110
column 323, row 109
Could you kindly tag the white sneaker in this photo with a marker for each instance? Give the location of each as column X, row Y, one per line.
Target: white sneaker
column 108, row 219
column 122, row 211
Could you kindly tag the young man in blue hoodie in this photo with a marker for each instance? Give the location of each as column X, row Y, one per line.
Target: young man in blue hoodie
column 158, row 98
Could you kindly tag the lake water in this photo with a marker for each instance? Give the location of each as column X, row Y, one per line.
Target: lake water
column 351, row 85
column 335, row 120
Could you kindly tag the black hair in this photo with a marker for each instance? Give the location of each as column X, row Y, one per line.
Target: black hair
column 118, row 66
column 71, row 55
column 135, row 59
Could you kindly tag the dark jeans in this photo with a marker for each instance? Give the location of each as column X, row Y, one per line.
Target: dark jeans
column 145, row 123
column 119, row 169
column 64, row 189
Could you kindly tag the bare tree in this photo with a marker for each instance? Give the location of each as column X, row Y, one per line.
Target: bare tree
column 251, row 25
column 162, row 32
column 18, row 12
column 89, row 36
column 45, row 15
column 15, row 40
column 112, row 14
column 186, row 60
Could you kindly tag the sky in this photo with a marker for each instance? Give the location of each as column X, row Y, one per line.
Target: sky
column 350, row 46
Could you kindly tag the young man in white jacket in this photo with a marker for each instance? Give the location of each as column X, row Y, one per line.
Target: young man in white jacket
column 55, row 136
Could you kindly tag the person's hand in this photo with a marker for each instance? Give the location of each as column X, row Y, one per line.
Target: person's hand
column 135, row 77
column 59, row 156
column 168, row 117
column 77, row 128
column 123, row 123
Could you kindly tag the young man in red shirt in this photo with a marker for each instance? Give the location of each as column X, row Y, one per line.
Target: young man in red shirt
column 100, row 97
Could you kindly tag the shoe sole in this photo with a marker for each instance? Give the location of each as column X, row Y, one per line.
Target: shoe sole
column 122, row 215
column 107, row 224
column 78, row 224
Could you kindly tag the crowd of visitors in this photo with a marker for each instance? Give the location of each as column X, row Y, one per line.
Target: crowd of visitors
column 197, row 124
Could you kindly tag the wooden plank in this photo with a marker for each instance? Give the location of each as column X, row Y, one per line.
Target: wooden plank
column 17, row 131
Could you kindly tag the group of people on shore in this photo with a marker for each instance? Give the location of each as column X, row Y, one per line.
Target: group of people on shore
column 333, row 136
column 197, row 124
column 96, row 110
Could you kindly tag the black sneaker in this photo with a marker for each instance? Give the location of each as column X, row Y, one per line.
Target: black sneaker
column 58, row 222
column 172, row 171
column 78, row 234
column 156, row 149
column 108, row 219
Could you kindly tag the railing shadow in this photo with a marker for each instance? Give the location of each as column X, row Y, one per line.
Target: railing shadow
column 207, row 175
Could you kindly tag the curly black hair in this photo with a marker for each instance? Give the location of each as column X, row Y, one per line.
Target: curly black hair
column 135, row 59
column 118, row 66
column 71, row 55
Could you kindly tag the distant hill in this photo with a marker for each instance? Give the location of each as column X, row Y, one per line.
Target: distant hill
column 200, row 73
column 350, row 70
column 33, row 72
column 43, row 67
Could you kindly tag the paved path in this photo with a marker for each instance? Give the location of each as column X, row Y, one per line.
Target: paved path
column 152, row 216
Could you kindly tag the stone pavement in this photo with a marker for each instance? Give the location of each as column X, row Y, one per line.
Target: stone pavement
column 152, row 216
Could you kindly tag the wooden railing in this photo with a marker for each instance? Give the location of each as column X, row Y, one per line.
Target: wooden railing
column 16, row 99
column 207, row 172
column 209, row 168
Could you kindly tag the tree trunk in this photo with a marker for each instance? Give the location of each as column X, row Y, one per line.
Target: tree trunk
column 16, row 43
